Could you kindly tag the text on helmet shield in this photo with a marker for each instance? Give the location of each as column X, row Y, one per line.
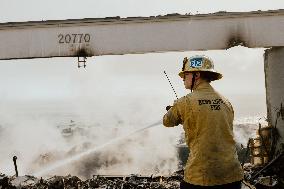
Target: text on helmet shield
column 196, row 62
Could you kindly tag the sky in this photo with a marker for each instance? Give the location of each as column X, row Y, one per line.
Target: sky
column 129, row 89
column 15, row 10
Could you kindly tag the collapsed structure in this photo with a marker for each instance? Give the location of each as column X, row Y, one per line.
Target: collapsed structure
column 114, row 36
column 98, row 181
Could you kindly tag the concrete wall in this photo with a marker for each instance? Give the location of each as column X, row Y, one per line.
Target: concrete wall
column 274, row 81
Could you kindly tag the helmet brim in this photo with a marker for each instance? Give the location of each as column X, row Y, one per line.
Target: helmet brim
column 215, row 75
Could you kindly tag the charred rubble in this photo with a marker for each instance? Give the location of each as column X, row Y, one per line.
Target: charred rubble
column 98, row 181
column 263, row 163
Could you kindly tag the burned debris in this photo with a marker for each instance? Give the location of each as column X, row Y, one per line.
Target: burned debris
column 265, row 168
column 98, row 181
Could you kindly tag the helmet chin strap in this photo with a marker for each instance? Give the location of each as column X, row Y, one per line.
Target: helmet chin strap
column 192, row 81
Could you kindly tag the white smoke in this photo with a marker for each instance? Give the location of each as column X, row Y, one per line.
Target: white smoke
column 40, row 143
column 26, row 139
column 246, row 127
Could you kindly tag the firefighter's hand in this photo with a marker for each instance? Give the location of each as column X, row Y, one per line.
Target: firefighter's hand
column 168, row 107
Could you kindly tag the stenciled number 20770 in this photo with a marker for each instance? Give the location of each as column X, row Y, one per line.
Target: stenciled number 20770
column 74, row 38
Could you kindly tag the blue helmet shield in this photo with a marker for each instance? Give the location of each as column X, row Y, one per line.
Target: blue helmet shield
column 196, row 62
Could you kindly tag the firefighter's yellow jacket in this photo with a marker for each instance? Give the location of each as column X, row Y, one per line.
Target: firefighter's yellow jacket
column 207, row 120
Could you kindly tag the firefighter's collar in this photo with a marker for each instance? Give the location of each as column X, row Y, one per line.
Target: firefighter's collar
column 202, row 85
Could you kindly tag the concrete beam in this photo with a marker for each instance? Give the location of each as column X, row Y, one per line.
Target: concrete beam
column 114, row 36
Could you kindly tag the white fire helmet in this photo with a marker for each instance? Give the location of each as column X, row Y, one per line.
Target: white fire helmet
column 199, row 63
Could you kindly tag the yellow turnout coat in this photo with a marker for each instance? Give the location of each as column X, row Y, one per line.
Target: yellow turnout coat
column 207, row 120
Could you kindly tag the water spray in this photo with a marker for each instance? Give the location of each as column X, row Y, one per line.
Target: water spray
column 171, row 84
column 91, row 151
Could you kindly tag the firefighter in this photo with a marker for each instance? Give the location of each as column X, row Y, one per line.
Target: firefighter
column 207, row 119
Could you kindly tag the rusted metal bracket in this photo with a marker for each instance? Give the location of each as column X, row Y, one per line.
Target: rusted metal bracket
column 82, row 60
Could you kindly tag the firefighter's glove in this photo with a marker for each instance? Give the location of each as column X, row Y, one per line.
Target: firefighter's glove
column 168, row 107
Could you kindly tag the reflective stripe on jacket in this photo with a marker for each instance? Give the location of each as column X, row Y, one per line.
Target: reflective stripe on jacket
column 207, row 120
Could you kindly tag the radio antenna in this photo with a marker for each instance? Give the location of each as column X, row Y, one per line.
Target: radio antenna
column 171, row 84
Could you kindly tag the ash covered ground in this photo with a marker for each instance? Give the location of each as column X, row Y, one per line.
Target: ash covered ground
column 100, row 182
